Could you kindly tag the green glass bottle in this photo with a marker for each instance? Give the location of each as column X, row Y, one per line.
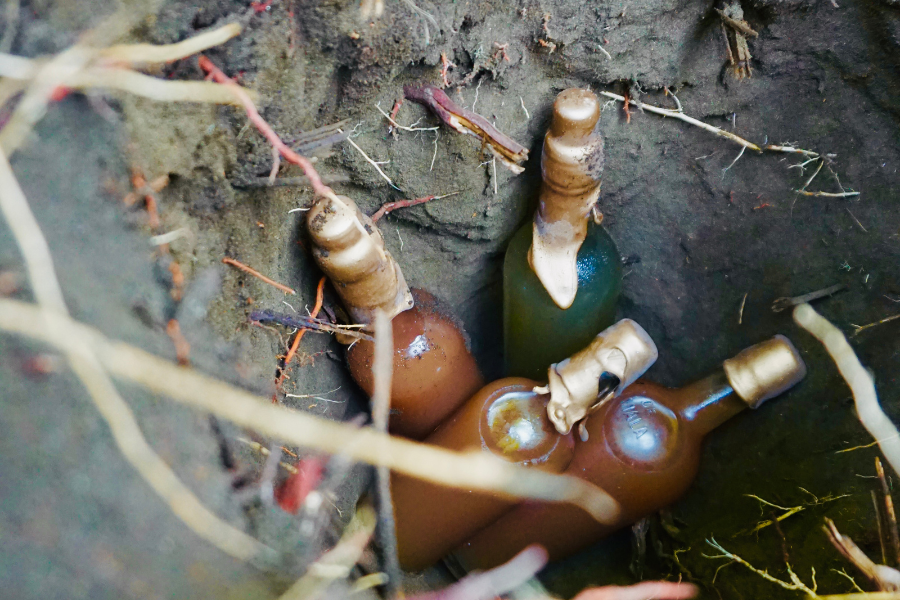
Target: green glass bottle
column 562, row 274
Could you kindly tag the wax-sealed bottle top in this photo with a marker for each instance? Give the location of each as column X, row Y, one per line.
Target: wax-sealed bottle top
column 350, row 250
column 765, row 370
column 571, row 168
column 584, row 382
column 575, row 112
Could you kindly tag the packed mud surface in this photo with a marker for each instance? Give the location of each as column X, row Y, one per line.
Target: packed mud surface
column 711, row 236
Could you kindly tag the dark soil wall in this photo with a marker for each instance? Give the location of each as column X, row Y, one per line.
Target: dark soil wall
column 76, row 520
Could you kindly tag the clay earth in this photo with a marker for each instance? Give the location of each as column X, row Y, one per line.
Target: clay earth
column 707, row 248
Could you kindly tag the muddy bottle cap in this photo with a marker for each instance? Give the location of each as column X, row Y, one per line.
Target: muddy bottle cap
column 593, row 376
column 765, row 370
column 350, row 250
column 571, row 166
column 575, row 111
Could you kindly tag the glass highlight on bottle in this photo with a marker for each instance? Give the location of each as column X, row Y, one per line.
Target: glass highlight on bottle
column 434, row 371
column 643, row 448
column 520, row 421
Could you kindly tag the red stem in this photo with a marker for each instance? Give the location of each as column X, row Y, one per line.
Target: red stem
column 264, row 128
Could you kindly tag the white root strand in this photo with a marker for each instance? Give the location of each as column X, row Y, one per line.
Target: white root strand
column 867, row 408
column 161, row 90
column 121, row 420
column 466, row 470
column 665, row 112
column 151, row 53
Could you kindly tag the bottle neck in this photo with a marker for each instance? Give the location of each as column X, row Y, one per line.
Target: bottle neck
column 708, row 403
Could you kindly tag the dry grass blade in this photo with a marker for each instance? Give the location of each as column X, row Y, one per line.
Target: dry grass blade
column 473, row 471
column 860, row 382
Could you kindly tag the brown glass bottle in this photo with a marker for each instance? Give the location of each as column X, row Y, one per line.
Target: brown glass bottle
column 643, row 448
column 509, row 418
column 434, row 372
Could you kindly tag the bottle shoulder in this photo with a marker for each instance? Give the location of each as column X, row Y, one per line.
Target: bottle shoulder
column 642, row 429
column 598, row 259
column 508, row 419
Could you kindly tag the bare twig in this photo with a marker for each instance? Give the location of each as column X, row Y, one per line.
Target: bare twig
column 861, row 384
column 880, row 523
column 258, row 275
column 477, row 471
column 781, row 304
column 736, row 158
column 301, row 322
column 665, row 112
column 886, row 578
column 738, row 25
column 741, row 310
column 675, row 98
column 827, row 194
column 511, row 153
column 811, row 177
column 791, row 150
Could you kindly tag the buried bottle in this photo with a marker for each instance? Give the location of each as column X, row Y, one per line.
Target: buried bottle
column 562, row 273
column 643, row 448
column 433, row 371
column 517, row 421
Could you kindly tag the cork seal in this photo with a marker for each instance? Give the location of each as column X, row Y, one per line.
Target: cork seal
column 350, row 250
